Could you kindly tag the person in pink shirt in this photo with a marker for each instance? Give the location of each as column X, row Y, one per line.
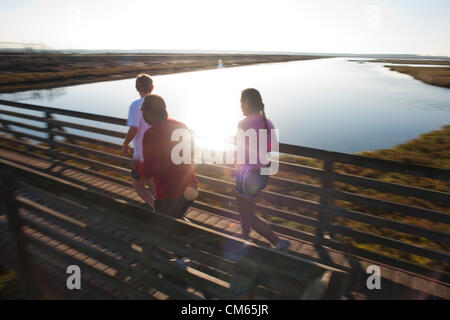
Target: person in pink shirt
column 249, row 180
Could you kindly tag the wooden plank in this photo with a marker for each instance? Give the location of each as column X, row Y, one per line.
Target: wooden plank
column 98, row 277
column 99, row 266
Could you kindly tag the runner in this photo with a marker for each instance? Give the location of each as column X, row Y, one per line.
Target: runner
column 249, row 180
column 144, row 86
column 175, row 184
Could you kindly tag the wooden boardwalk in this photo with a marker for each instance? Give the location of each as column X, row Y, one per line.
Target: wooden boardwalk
column 396, row 283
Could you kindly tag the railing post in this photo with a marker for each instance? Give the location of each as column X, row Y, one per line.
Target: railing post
column 22, row 260
column 51, row 136
column 50, row 126
column 325, row 198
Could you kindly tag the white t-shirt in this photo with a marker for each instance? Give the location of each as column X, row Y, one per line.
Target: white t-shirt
column 135, row 119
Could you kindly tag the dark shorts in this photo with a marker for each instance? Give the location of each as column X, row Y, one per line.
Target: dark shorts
column 173, row 207
column 135, row 175
column 250, row 182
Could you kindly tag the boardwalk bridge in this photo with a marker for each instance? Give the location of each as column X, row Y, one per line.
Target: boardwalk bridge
column 67, row 200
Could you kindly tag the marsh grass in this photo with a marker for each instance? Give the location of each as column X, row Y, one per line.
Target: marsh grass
column 431, row 75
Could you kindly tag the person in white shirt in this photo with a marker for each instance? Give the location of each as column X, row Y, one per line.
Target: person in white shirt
column 137, row 127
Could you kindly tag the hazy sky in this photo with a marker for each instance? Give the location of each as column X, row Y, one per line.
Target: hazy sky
column 344, row 26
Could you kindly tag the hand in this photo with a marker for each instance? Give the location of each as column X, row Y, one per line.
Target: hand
column 125, row 149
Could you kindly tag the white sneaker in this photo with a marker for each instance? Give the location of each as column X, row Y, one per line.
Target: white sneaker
column 283, row 245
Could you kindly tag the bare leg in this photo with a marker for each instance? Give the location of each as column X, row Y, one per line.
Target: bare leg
column 246, row 208
column 263, row 228
column 146, row 195
column 245, row 212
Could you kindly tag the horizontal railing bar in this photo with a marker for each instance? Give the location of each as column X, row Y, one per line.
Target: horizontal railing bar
column 278, row 181
column 393, row 166
column 111, row 145
column 265, row 195
column 22, row 115
column 305, row 151
column 300, row 169
column 25, row 135
column 379, row 258
column 411, row 211
column 395, row 244
column 426, row 194
column 60, row 123
column 288, row 200
column 390, row 224
column 297, row 234
column 373, row 163
column 86, row 128
column 94, row 164
column 70, row 113
column 123, row 160
column 63, row 155
column 97, row 174
column 27, row 153
column 264, row 209
column 23, row 125
column 295, row 185
column 310, row 171
column 64, row 134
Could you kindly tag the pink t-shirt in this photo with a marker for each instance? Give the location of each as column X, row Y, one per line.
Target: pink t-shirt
column 257, row 123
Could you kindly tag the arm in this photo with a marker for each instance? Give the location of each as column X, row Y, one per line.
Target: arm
column 130, row 136
column 133, row 123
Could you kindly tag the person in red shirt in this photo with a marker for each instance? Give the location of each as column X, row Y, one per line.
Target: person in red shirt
column 175, row 184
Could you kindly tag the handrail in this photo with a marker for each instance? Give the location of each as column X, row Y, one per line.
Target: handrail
column 325, row 207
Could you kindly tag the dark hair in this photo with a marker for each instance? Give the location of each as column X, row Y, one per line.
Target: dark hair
column 144, row 83
column 155, row 105
column 253, row 97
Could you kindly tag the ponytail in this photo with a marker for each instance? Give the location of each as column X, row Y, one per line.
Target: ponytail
column 255, row 101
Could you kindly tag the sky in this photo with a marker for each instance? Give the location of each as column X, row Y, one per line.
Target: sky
column 321, row 26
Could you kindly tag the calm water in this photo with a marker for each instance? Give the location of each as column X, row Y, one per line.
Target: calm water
column 331, row 104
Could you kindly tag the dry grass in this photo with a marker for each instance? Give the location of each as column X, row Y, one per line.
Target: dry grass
column 431, row 75
column 41, row 71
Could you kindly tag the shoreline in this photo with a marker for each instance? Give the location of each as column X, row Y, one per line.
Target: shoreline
column 23, row 72
column 435, row 76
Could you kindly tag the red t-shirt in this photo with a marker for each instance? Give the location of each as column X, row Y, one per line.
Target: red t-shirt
column 170, row 179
